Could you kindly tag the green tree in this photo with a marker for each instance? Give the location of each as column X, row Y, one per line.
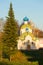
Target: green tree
column 10, row 32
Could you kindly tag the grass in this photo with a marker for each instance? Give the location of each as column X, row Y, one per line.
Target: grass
column 18, row 58
column 18, row 63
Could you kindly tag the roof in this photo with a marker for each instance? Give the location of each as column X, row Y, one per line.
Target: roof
column 26, row 34
column 26, row 25
column 25, row 19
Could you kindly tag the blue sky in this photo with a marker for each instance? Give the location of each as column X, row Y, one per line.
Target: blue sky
column 33, row 9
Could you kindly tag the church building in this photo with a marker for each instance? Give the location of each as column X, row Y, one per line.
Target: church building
column 27, row 40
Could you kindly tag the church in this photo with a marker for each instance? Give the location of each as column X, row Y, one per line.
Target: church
column 27, row 40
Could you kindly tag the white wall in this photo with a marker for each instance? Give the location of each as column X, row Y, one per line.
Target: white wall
column 21, row 45
column 28, row 38
column 24, row 30
column 40, row 43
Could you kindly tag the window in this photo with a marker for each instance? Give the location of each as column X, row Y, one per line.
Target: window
column 27, row 29
column 33, row 43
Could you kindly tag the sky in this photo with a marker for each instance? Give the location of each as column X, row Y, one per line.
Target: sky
column 33, row 9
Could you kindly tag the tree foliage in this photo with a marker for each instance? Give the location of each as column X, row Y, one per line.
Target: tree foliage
column 10, row 32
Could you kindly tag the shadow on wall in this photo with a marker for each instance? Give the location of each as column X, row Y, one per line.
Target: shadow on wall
column 36, row 55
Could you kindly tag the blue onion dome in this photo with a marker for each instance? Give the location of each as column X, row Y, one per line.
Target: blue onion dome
column 25, row 19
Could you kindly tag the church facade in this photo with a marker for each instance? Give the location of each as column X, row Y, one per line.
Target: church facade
column 27, row 40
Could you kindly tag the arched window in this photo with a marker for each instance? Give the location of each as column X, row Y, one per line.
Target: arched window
column 33, row 44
